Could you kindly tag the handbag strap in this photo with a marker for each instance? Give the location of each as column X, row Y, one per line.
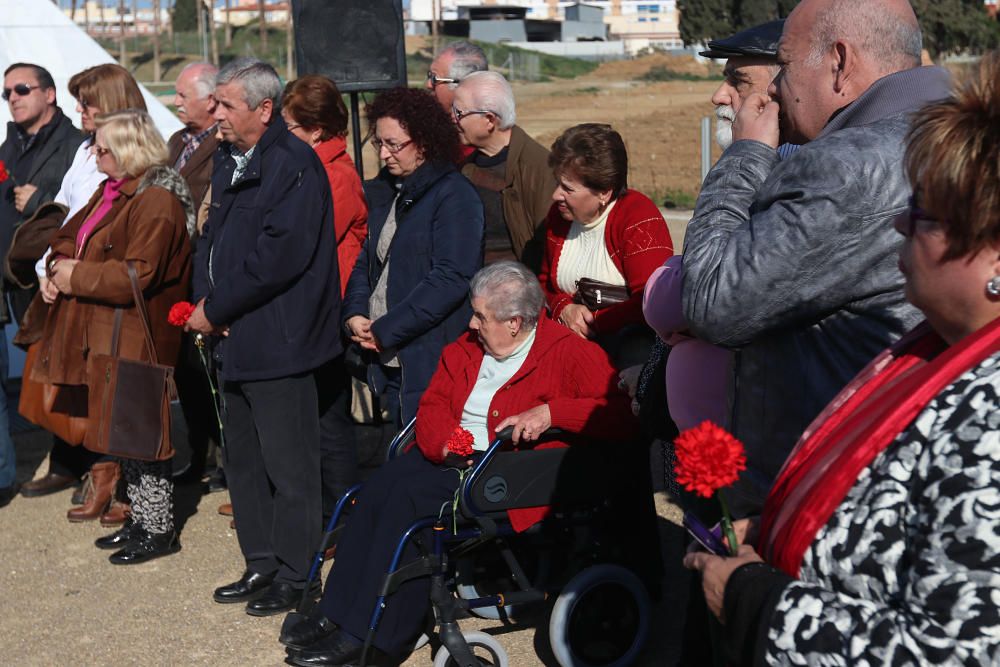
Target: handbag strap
column 140, row 306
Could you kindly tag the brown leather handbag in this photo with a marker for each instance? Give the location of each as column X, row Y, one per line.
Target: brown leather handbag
column 597, row 294
column 130, row 399
column 60, row 410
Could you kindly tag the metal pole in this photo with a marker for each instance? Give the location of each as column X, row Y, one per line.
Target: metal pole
column 356, row 131
column 706, row 146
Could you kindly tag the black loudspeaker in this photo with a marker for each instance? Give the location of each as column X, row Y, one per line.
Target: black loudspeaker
column 357, row 43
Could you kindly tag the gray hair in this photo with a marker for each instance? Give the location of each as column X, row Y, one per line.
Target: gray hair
column 468, row 58
column 203, row 76
column 891, row 40
column 511, row 290
column 492, row 93
column 259, row 80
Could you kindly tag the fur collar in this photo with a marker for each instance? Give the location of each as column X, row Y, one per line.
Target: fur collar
column 171, row 181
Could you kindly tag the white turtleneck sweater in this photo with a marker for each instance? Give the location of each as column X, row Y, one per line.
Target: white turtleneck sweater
column 585, row 255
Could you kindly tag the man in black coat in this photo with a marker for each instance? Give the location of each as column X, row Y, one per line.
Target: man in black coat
column 39, row 148
column 267, row 284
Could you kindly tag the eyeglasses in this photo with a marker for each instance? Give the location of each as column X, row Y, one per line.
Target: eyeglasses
column 917, row 215
column 292, row 126
column 459, row 114
column 435, row 79
column 392, row 148
column 21, row 89
column 99, row 151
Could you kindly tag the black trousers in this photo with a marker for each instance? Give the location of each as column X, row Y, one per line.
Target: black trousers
column 272, row 466
column 195, row 394
column 400, row 492
column 337, row 438
column 71, row 460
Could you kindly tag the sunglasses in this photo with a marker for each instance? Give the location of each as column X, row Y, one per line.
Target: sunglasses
column 435, row 79
column 22, row 89
column 459, row 114
column 917, row 215
column 392, row 148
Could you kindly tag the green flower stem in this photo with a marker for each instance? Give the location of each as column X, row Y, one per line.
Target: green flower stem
column 727, row 525
column 199, row 342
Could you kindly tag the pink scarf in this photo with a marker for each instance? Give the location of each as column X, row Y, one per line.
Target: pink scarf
column 111, row 189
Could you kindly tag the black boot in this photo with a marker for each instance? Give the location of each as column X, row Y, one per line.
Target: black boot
column 150, row 547
column 129, row 534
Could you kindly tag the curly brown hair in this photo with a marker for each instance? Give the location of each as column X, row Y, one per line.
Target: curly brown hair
column 417, row 112
column 595, row 154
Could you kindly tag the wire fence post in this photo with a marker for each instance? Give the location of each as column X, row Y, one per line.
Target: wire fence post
column 706, row 146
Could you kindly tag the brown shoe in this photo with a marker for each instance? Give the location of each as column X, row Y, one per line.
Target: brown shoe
column 105, row 476
column 51, row 483
column 116, row 514
column 226, row 509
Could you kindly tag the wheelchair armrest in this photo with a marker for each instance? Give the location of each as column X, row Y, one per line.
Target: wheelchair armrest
column 403, row 441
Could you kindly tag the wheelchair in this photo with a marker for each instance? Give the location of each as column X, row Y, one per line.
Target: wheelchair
column 601, row 609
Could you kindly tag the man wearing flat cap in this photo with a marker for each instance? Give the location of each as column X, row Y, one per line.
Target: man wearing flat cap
column 751, row 64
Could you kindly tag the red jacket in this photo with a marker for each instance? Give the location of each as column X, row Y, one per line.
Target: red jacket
column 572, row 375
column 638, row 240
column 350, row 212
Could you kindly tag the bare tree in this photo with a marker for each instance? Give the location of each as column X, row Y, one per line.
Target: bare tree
column 86, row 16
column 263, row 27
column 210, row 24
column 72, row 11
column 290, row 46
column 229, row 26
column 122, row 53
column 157, row 72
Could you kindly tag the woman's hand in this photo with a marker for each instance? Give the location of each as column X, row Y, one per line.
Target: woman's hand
column 61, row 274
column 49, row 291
column 361, row 333
column 528, row 425
column 578, row 319
column 628, row 381
column 715, row 573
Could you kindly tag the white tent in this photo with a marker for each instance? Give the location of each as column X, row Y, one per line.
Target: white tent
column 36, row 31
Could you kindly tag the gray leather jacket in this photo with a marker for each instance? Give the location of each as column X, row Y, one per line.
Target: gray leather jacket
column 794, row 264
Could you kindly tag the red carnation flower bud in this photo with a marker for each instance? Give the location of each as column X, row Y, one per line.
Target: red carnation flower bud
column 180, row 313
column 460, row 442
column 708, row 458
column 4, row 174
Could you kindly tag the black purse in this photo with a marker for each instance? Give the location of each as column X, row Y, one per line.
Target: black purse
column 597, row 295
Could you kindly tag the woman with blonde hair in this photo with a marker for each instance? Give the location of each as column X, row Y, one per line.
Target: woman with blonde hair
column 139, row 218
column 100, row 89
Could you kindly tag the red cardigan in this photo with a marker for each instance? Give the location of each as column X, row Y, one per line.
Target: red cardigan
column 572, row 375
column 350, row 212
column 638, row 240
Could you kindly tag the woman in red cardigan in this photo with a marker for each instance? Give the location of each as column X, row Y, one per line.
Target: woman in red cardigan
column 315, row 113
column 598, row 229
column 513, row 368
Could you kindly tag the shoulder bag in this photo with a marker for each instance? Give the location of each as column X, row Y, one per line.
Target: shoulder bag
column 129, row 399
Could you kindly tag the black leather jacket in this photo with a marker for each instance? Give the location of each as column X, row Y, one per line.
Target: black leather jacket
column 794, row 264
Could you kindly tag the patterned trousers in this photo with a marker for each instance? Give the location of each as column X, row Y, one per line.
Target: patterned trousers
column 151, row 492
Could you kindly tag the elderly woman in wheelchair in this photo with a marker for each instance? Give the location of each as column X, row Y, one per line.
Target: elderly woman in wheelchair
column 515, row 370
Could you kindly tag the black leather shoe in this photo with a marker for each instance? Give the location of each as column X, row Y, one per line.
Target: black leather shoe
column 148, row 548
column 309, row 630
column 129, row 534
column 278, row 598
column 334, row 649
column 249, row 586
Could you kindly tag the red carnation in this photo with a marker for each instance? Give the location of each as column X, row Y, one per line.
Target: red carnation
column 708, row 458
column 460, row 442
column 180, row 312
column 4, row 174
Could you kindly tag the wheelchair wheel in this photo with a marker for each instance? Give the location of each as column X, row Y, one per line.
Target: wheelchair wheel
column 487, row 650
column 600, row 618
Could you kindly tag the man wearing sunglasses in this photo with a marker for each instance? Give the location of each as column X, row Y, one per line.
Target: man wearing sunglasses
column 39, row 148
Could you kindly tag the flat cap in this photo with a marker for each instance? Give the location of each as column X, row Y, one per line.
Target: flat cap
column 760, row 40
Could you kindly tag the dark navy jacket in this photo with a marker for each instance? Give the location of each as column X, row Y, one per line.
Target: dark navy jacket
column 437, row 248
column 267, row 261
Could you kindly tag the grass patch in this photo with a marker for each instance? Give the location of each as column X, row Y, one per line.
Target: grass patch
column 589, row 90
column 676, row 199
column 663, row 73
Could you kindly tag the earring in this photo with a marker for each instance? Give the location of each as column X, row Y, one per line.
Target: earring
column 513, row 334
column 993, row 286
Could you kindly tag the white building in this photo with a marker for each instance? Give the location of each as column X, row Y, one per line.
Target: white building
column 640, row 23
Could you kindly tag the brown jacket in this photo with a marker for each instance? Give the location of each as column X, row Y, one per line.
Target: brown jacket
column 147, row 224
column 526, row 196
column 198, row 169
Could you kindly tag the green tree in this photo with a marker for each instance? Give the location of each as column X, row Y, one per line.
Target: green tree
column 702, row 20
column 185, row 15
column 956, row 26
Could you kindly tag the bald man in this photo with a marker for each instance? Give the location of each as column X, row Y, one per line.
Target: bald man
column 793, row 262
